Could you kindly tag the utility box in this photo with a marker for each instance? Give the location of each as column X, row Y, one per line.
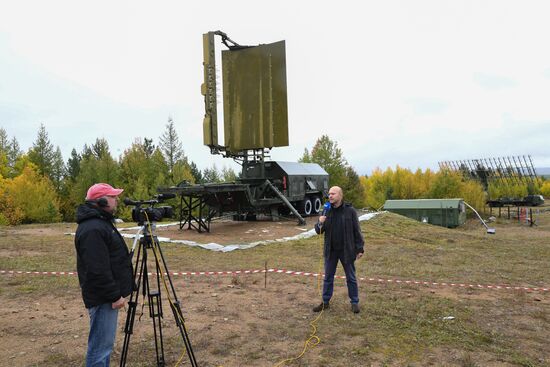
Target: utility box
column 448, row 213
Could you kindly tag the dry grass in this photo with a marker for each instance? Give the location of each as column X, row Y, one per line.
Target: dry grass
column 235, row 321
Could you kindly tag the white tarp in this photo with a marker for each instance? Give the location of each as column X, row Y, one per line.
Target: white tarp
column 231, row 247
column 226, row 248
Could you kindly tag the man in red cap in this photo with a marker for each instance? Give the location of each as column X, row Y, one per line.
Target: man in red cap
column 104, row 269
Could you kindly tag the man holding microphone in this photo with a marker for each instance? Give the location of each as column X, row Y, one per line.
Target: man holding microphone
column 343, row 242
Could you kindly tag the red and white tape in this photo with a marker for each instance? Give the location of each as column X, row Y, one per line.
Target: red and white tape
column 303, row 273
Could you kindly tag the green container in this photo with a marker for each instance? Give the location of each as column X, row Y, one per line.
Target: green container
column 448, row 213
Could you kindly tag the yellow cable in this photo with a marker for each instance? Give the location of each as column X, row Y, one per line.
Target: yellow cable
column 312, row 335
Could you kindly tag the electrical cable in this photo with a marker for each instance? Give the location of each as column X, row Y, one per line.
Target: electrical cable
column 313, row 338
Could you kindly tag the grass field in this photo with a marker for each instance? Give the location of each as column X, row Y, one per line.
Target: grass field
column 237, row 321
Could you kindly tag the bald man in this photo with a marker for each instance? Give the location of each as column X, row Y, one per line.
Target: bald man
column 343, row 242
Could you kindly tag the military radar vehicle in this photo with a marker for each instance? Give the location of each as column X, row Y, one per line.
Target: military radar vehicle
column 255, row 119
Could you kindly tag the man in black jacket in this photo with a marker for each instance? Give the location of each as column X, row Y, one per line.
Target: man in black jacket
column 104, row 269
column 343, row 242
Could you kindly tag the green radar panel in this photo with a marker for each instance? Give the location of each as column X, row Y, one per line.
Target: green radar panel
column 255, row 106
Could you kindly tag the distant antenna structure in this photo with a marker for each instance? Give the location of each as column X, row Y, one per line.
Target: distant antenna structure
column 506, row 170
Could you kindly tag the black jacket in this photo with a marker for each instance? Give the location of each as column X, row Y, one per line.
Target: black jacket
column 353, row 238
column 102, row 258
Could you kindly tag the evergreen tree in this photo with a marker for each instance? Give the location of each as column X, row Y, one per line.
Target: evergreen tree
column 211, row 175
column 14, row 152
column 170, row 145
column 148, row 147
column 100, row 148
column 354, row 192
column 4, row 141
column 196, row 172
column 58, row 170
column 73, row 165
column 42, row 152
column 9, row 153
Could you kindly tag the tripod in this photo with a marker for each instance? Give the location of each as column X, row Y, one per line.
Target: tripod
column 152, row 294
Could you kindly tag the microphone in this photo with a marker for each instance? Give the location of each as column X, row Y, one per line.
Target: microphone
column 326, row 208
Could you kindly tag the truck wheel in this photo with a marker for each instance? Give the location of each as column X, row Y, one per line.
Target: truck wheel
column 317, row 205
column 306, row 206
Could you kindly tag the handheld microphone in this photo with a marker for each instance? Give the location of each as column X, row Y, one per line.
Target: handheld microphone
column 326, row 208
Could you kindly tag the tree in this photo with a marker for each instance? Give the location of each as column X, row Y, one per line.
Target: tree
column 228, row 174
column 148, row 147
column 196, row 172
column 58, row 170
column 211, row 175
column 94, row 168
column 327, row 154
column 42, row 152
column 446, row 185
column 353, row 190
column 73, row 165
column 14, row 152
column 4, row 140
column 143, row 172
column 29, row 198
column 9, row 153
column 170, row 146
column 100, row 148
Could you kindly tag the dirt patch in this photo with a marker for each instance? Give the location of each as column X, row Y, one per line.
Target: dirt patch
column 228, row 232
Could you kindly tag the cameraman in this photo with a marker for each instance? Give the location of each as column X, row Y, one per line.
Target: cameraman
column 104, row 269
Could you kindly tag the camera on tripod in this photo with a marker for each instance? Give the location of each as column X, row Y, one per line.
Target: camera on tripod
column 150, row 213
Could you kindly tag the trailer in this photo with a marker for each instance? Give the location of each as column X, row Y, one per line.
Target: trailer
column 272, row 188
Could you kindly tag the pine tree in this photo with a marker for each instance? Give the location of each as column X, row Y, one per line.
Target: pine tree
column 58, row 170
column 100, row 149
column 4, row 141
column 42, row 152
column 211, row 175
column 354, row 192
column 196, row 172
column 148, row 147
column 170, row 146
column 73, row 165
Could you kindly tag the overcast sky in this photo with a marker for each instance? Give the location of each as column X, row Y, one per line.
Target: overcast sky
column 407, row 83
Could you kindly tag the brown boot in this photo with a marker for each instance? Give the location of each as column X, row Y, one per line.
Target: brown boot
column 322, row 306
column 355, row 308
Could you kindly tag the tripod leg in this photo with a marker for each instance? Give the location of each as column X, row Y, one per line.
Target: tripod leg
column 132, row 306
column 155, row 312
column 175, row 306
column 178, row 316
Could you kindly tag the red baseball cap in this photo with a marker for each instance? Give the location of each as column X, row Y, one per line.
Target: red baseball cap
column 102, row 189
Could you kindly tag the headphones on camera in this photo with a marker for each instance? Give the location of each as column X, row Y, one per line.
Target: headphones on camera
column 101, row 202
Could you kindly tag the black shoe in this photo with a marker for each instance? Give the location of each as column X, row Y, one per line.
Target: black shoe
column 355, row 308
column 322, row 306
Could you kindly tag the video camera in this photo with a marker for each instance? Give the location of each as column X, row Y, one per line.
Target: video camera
column 150, row 213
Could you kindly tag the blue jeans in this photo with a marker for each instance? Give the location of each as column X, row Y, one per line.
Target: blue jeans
column 103, row 323
column 330, row 269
